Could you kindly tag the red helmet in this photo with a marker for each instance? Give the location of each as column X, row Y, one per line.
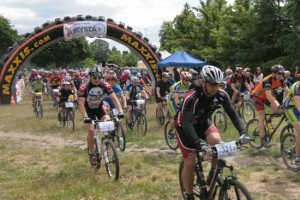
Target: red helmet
column 112, row 77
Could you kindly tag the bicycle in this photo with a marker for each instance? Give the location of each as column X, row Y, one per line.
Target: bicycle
column 160, row 117
column 54, row 95
column 68, row 115
column 246, row 108
column 220, row 119
column 171, row 141
column 38, row 107
column 252, row 129
column 137, row 116
column 119, row 132
column 221, row 186
column 106, row 149
column 288, row 151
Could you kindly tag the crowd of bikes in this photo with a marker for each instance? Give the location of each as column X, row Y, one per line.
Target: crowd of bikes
column 76, row 89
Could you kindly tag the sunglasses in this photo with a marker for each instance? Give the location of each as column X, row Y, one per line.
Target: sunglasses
column 97, row 77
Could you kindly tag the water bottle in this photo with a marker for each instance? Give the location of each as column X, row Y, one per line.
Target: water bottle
column 269, row 126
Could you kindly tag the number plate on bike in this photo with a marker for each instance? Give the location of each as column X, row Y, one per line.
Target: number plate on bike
column 69, row 104
column 140, row 102
column 38, row 94
column 226, row 149
column 106, row 126
column 55, row 90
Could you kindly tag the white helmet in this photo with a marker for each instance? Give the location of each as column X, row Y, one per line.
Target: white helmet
column 212, row 74
column 68, row 78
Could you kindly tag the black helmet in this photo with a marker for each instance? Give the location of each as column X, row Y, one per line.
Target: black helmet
column 95, row 72
column 277, row 68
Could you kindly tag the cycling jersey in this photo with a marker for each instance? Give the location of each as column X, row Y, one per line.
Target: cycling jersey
column 64, row 95
column 94, row 94
column 77, row 82
column 199, row 108
column 291, row 111
column 180, row 89
column 134, row 90
column 55, row 81
column 117, row 89
column 238, row 82
column 37, row 86
column 268, row 83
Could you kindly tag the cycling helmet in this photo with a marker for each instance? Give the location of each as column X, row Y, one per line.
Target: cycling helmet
column 95, row 72
column 112, row 77
column 277, row 68
column 138, row 75
column 66, row 83
column 56, row 72
column 127, row 71
column 68, row 78
column 185, row 75
column 194, row 73
column 212, row 74
column 134, row 79
column 38, row 77
column 165, row 74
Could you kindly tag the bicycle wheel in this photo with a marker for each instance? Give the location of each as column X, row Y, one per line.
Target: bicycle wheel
column 220, row 121
column 160, row 120
column 171, row 141
column 252, row 130
column 141, row 123
column 120, row 134
column 234, row 189
column 287, row 129
column 38, row 110
column 111, row 159
column 288, row 151
column 248, row 111
column 70, row 121
column 196, row 189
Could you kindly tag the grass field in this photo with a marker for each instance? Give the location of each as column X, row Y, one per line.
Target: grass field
column 41, row 160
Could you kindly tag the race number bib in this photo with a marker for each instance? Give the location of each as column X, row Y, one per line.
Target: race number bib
column 69, row 104
column 226, row 149
column 106, row 126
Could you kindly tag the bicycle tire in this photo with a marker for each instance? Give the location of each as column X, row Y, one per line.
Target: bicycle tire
column 142, row 123
column 248, row 111
column 288, row 151
column 197, row 188
column 70, row 121
column 252, row 130
column 111, row 157
column 220, row 121
column 171, row 142
column 120, row 135
column 286, row 129
column 234, row 189
column 160, row 120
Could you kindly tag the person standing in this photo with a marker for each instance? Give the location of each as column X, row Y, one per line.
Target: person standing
column 258, row 76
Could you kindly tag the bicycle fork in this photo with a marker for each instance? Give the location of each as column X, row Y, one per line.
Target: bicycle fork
column 98, row 147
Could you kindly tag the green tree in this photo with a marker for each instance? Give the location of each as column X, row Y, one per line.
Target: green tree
column 116, row 57
column 89, row 62
column 8, row 35
column 130, row 59
column 63, row 53
column 100, row 50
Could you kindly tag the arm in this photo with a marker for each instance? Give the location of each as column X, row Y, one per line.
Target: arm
column 247, row 86
column 176, row 98
column 297, row 102
column 188, row 127
column 157, row 89
column 123, row 99
column 116, row 102
column 274, row 103
column 144, row 94
column 81, row 102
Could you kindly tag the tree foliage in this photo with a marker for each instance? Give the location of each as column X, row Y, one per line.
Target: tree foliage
column 249, row 32
column 8, row 35
column 100, row 50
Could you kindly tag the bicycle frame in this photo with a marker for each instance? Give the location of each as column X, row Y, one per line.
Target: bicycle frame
column 276, row 115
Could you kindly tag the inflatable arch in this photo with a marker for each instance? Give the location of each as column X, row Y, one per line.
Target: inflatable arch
column 68, row 28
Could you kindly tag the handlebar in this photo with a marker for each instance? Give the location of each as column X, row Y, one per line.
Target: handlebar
column 223, row 149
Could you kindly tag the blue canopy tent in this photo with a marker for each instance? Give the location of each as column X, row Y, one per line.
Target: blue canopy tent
column 181, row 59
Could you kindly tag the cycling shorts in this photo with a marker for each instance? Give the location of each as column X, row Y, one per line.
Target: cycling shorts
column 172, row 107
column 259, row 103
column 292, row 115
column 97, row 112
column 186, row 146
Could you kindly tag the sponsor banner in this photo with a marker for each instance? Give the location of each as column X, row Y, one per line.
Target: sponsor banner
column 85, row 29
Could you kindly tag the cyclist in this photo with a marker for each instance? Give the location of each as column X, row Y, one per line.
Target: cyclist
column 178, row 90
column 37, row 86
column 238, row 84
column 90, row 102
column 63, row 96
column 193, row 121
column 262, row 94
column 162, row 88
column 112, row 81
column 132, row 91
column 292, row 106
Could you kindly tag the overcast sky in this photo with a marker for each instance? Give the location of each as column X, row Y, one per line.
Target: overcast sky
column 145, row 16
